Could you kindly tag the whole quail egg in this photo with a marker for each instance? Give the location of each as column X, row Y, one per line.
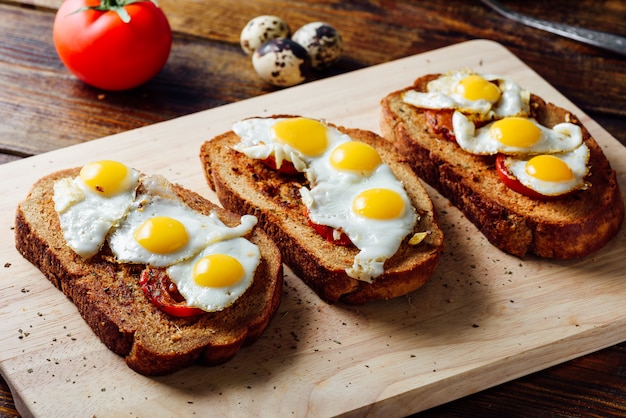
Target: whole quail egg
column 323, row 43
column 281, row 62
column 261, row 29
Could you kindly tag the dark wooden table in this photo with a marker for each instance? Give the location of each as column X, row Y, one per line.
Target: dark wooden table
column 43, row 107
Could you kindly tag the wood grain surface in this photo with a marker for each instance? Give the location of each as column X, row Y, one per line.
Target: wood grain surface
column 483, row 319
column 42, row 108
column 48, row 108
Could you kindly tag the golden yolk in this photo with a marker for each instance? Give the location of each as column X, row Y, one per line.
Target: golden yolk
column 218, row 270
column 549, row 168
column 162, row 235
column 515, row 132
column 355, row 156
column 378, row 204
column 305, row 135
column 105, row 177
column 474, row 87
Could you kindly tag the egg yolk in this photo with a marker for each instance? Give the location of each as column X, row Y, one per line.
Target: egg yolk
column 162, row 235
column 106, row 177
column 549, row 168
column 218, row 270
column 515, row 132
column 305, row 135
column 474, row 87
column 381, row 204
column 355, row 156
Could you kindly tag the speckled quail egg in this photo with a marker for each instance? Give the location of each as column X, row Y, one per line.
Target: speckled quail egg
column 323, row 43
column 260, row 30
column 281, row 62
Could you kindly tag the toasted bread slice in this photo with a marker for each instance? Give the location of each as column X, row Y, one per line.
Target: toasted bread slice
column 569, row 227
column 108, row 295
column 245, row 185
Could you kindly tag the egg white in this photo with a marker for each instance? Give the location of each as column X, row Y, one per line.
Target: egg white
column 562, row 137
column 202, row 230
column 256, row 142
column 329, row 203
column 330, row 194
column 216, row 298
column 87, row 217
column 576, row 160
column 88, row 220
column 440, row 94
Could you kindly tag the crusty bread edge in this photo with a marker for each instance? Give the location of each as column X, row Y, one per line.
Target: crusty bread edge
column 331, row 284
column 69, row 277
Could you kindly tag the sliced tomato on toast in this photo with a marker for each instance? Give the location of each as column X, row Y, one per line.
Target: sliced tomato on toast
column 286, row 167
column 514, row 184
column 328, row 233
column 162, row 291
column 440, row 120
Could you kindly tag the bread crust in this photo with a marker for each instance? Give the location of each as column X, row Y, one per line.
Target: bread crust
column 569, row 227
column 244, row 185
column 109, row 298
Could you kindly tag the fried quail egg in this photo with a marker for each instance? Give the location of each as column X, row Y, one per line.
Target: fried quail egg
column 350, row 189
column 281, row 62
column 355, row 193
column 374, row 212
column 261, row 29
column 160, row 230
column 515, row 135
column 93, row 203
column 481, row 97
column 297, row 140
column 551, row 174
column 146, row 222
column 218, row 275
column 322, row 42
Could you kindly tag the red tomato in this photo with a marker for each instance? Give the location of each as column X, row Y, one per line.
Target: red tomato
column 104, row 51
column 327, row 233
column 514, row 184
column 441, row 122
column 158, row 287
column 286, row 167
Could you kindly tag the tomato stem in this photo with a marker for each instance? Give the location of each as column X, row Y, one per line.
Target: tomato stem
column 116, row 6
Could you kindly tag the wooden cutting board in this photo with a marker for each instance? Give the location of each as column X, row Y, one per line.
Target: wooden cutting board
column 484, row 318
